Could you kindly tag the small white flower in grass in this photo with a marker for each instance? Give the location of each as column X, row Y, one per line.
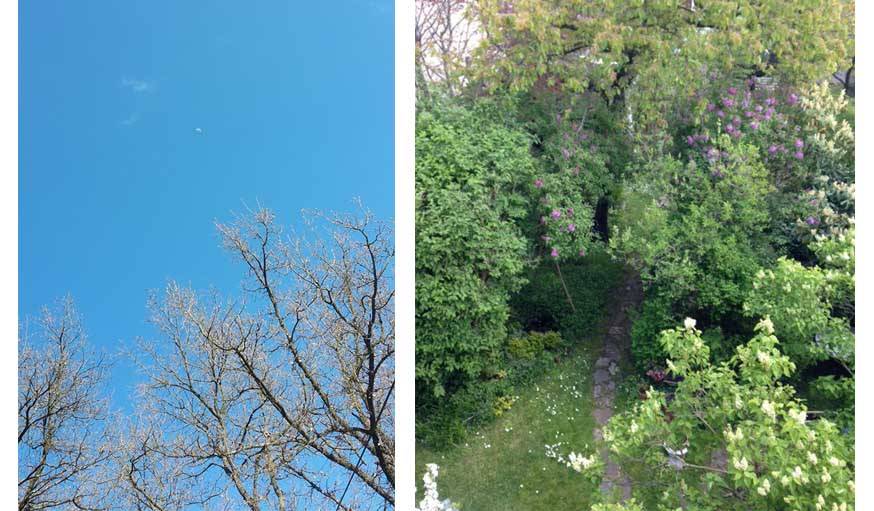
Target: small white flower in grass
column 689, row 323
column 800, row 416
column 811, row 457
column 633, row 427
column 797, row 473
column 820, row 502
column 764, row 358
column 764, row 488
column 835, row 462
column 741, row 464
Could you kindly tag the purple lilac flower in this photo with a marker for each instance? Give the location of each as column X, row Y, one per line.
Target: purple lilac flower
column 711, row 107
column 554, row 252
column 565, row 153
column 538, row 183
column 732, row 91
column 812, row 221
column 690, row 140
column 556, row 214
column 799, row 155
column 712, row 153
column 792, row 99
column 570, row 211
column 571, row 228
column 720, row 114
column 759, row 108
column 727, row 102
column 582, row 252
column 754, row 125
column 799, row 143
column 771, row 101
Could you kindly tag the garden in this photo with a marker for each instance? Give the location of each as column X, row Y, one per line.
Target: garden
column 635, row 255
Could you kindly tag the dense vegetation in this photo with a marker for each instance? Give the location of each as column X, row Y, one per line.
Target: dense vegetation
column 703, row 146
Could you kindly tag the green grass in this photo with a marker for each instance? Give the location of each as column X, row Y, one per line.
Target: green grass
column 503, row 466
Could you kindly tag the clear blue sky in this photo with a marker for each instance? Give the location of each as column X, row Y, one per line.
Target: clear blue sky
column 118, row 192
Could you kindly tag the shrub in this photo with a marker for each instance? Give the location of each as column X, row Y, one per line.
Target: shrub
column 472, row 169
column 533, row 344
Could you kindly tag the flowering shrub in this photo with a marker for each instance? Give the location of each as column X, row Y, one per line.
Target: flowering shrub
column 775, row 453
column 798, row 300
column 566, row 191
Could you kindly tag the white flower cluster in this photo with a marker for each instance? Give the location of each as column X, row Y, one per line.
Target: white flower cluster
column 768, row 409
column 431, row 501
column 578, row 462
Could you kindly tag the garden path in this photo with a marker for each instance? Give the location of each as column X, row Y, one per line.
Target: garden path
column 615, row 348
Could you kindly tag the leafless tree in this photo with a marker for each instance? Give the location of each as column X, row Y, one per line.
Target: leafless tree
column 446, row 32
column 64, row 443
column 282, row 398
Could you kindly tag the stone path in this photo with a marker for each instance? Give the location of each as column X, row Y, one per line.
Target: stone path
column 616, row 346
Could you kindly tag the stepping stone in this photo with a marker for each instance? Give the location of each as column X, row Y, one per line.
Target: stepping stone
column 602, row 362
column 598, row 434
column 617, row 330
column 613, row 369
column 602, row 415
column 601, row 377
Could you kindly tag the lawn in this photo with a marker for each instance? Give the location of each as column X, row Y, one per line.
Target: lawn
column 504, row 465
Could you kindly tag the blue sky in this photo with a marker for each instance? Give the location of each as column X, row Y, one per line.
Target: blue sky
column 118, row 191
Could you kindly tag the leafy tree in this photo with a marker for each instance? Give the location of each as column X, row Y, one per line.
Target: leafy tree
column 656, row 55
column 473, row 174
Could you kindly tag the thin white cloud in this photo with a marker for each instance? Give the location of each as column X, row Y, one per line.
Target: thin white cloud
column 138, row 86
column 131, row 120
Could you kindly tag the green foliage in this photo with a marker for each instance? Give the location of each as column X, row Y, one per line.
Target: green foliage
column 533, row 344
column 776, row 455
column 472, row 168
column 798, row 301
column 695, row 231
column 540, row 305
